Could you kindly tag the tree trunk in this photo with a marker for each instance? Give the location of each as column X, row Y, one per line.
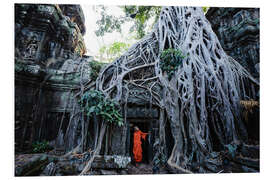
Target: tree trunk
column 204, row 92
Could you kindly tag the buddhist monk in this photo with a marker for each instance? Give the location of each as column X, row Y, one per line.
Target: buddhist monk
column 137, row 144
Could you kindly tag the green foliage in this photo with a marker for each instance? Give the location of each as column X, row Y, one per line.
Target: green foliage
column 95, row 69
column 171, row 59
column 117, row 47
column 94, row 102
column 41, row 147
column 112, row 51
column 108, row 23
column 205, row 9
column 231, row 149
column 140, row 15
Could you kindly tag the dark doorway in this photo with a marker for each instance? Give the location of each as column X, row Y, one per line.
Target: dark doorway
column 146, row 145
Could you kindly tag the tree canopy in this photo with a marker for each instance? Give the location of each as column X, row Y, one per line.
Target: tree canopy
column 141, row 16
column 112, row 51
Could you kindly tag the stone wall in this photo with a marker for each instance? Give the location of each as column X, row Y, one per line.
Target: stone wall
column 49, row 65
column 43, row 99
column 47, row 33
column 238, row 30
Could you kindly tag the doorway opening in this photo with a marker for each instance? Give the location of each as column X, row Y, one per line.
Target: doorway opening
column 146, row 144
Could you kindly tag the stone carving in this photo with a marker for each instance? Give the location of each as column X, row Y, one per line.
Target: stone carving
column 76, row 14
column 45, row 32
column 238, row 32
column 49, row 46
column 29, row 43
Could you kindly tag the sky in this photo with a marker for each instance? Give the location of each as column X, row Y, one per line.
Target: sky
column 94, row 43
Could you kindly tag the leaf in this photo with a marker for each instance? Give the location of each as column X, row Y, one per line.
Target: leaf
column 157, row 161
column 92, row 109
column 99, row 106
column 120, row 123
column 106, row 114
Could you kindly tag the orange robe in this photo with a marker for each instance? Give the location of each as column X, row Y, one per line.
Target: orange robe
column 137, row 145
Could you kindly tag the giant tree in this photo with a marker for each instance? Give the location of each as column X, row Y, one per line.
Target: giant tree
column 199, row 94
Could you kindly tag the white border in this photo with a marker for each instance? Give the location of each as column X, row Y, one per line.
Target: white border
column 7, row 83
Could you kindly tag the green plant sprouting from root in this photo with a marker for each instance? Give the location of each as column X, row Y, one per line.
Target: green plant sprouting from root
column 171, row 59
column 94, row 102
column 41, row 147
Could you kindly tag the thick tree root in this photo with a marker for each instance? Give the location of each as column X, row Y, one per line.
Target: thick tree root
column 96, row 151
column 201, row 101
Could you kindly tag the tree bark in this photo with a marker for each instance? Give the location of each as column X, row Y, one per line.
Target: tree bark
column 204, row 92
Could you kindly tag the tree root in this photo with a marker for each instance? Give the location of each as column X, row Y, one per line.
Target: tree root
column 202, row 100
column 96, row 151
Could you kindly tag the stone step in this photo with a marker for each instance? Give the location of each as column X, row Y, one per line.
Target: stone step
column 252, row 151
column 249, row 162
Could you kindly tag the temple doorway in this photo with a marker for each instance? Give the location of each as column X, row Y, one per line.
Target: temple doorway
column 146, row 144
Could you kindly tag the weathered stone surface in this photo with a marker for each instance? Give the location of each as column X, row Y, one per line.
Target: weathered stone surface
column 252, row 151
column 44, row 34
column 118, row 140
column 123, row 172
column 49, row 64
column 30, row 165
column 111, row 162
column 48, row 100
column 75, row 13
column 140, row 169
column 49, row 170
column 243, row 157
column 141, row 112
column 238, row 33
column 50, row 165
column 107, row 172
column 250, row 162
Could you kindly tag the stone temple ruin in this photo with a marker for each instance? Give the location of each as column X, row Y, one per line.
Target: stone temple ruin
column 238, row 32
column 49, row 58
column 49, row 61
column 50, row 67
